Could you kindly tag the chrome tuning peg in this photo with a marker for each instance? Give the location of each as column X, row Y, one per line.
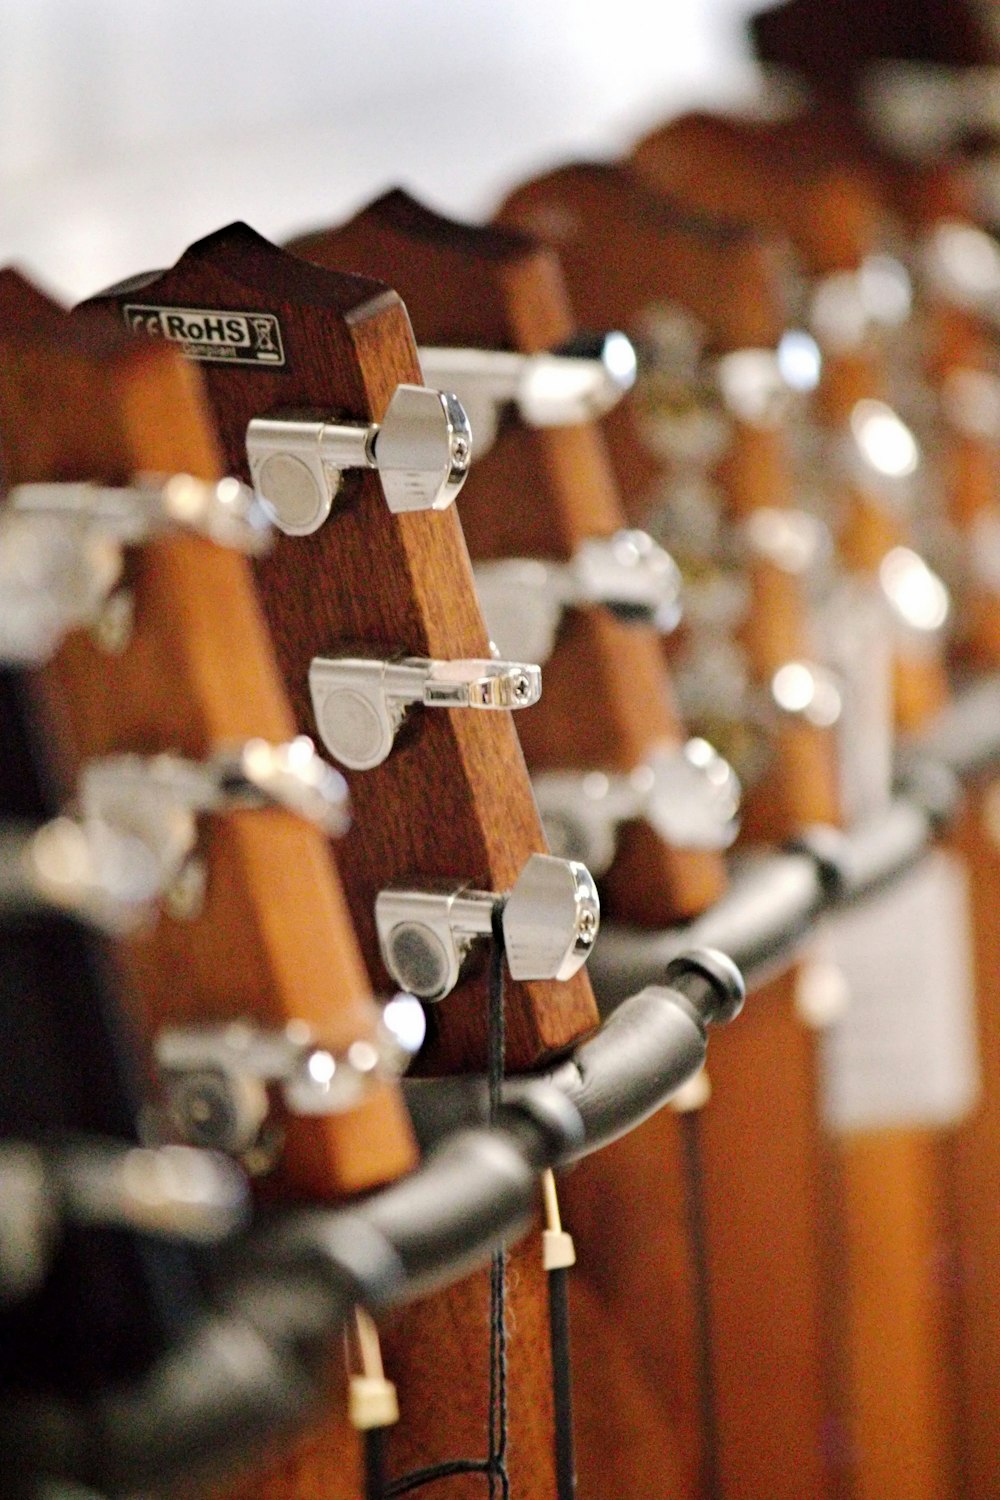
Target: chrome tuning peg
column 523, row 599
column 421, row 450
column 550, row 921
column 577, row 382
column 134, row 841
column 360, row 702
column 61, row 547
column 962, row 264
column 217, row 1079
column 689, row 795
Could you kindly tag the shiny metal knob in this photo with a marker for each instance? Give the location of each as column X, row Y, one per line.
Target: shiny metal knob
column 421, row 450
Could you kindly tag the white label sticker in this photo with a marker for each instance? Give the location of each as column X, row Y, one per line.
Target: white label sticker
column 905, row 1052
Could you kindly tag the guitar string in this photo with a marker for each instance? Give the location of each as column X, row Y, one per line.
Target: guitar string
column 494, row 1465
column 694, row 1205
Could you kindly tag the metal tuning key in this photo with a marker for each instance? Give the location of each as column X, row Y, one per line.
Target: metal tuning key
column 61, row 547
column 689, row 795
column 360, row 702
column 523, row 599
column 421, row 450
column 217, row 1080
column 133, row 843
column 578, row 382
column 550, row 922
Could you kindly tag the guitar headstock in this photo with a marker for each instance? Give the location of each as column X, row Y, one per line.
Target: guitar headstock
column 544, row 493
column 702, row 297
column 131, row 721
column 449, row 800
column 833, row 217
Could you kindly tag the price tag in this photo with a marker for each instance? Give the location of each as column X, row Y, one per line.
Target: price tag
column 904, row 1054
column 856, row 644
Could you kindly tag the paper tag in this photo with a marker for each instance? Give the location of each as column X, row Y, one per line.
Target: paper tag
column 856, row 644
column 905, row 1052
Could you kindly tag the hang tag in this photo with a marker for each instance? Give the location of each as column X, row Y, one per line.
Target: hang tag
column 905, row 1052
column 856, row 644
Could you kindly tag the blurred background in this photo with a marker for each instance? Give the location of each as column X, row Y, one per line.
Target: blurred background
column 131, row 127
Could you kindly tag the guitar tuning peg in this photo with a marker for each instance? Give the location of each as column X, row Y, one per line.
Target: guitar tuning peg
column 217, row 1079
column 61, row 547
column 689, row 795
column 421, row 450
column 523, row 599
column 577, row 382
column 134, row 841
column 360, row 702
column 550, row 920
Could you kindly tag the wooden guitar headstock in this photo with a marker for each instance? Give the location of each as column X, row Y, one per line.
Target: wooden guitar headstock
column 832, row 217
column 540, row 493
column 81, row 401
column 451, row 801
column 629, row 254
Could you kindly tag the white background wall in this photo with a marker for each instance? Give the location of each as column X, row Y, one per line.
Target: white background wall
column 130, row 127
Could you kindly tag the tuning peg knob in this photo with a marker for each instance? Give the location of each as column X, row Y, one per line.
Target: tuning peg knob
column 421, row 450
column 550, row 922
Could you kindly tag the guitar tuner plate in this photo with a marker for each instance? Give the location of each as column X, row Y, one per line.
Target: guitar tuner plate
column 523, row 599
column 421, row 449
column 550, row 922
column 360, row 702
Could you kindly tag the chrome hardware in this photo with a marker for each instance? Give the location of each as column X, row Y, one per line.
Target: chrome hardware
column 791, row 539
column 134, row 840
column 688, row 400
column 216, row 1079
column 523, row 599
column 805, row 690
column 880, row 453
column 918, row 598
column 757, row 385
column 359, row 702
column 421, row 450
column 847, row 307
column 962, row 263
column 61, row 550
column 558, row 388
column 550, row 921
column 687, row 794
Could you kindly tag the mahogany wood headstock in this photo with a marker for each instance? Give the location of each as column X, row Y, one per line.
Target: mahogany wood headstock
column 452, row 800
column 540, row 493
column 832, row 217
column 83, row 400
column 79, row 400
column 626, row 251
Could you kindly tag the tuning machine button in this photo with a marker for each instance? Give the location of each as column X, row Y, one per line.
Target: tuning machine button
column 523, row 599
column 359, row 702
column 61, row 548
column 577, row 382
column 217, row 1080
column 421, row 450
column 687, row 794
column 550, row 920
column 134, row 841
